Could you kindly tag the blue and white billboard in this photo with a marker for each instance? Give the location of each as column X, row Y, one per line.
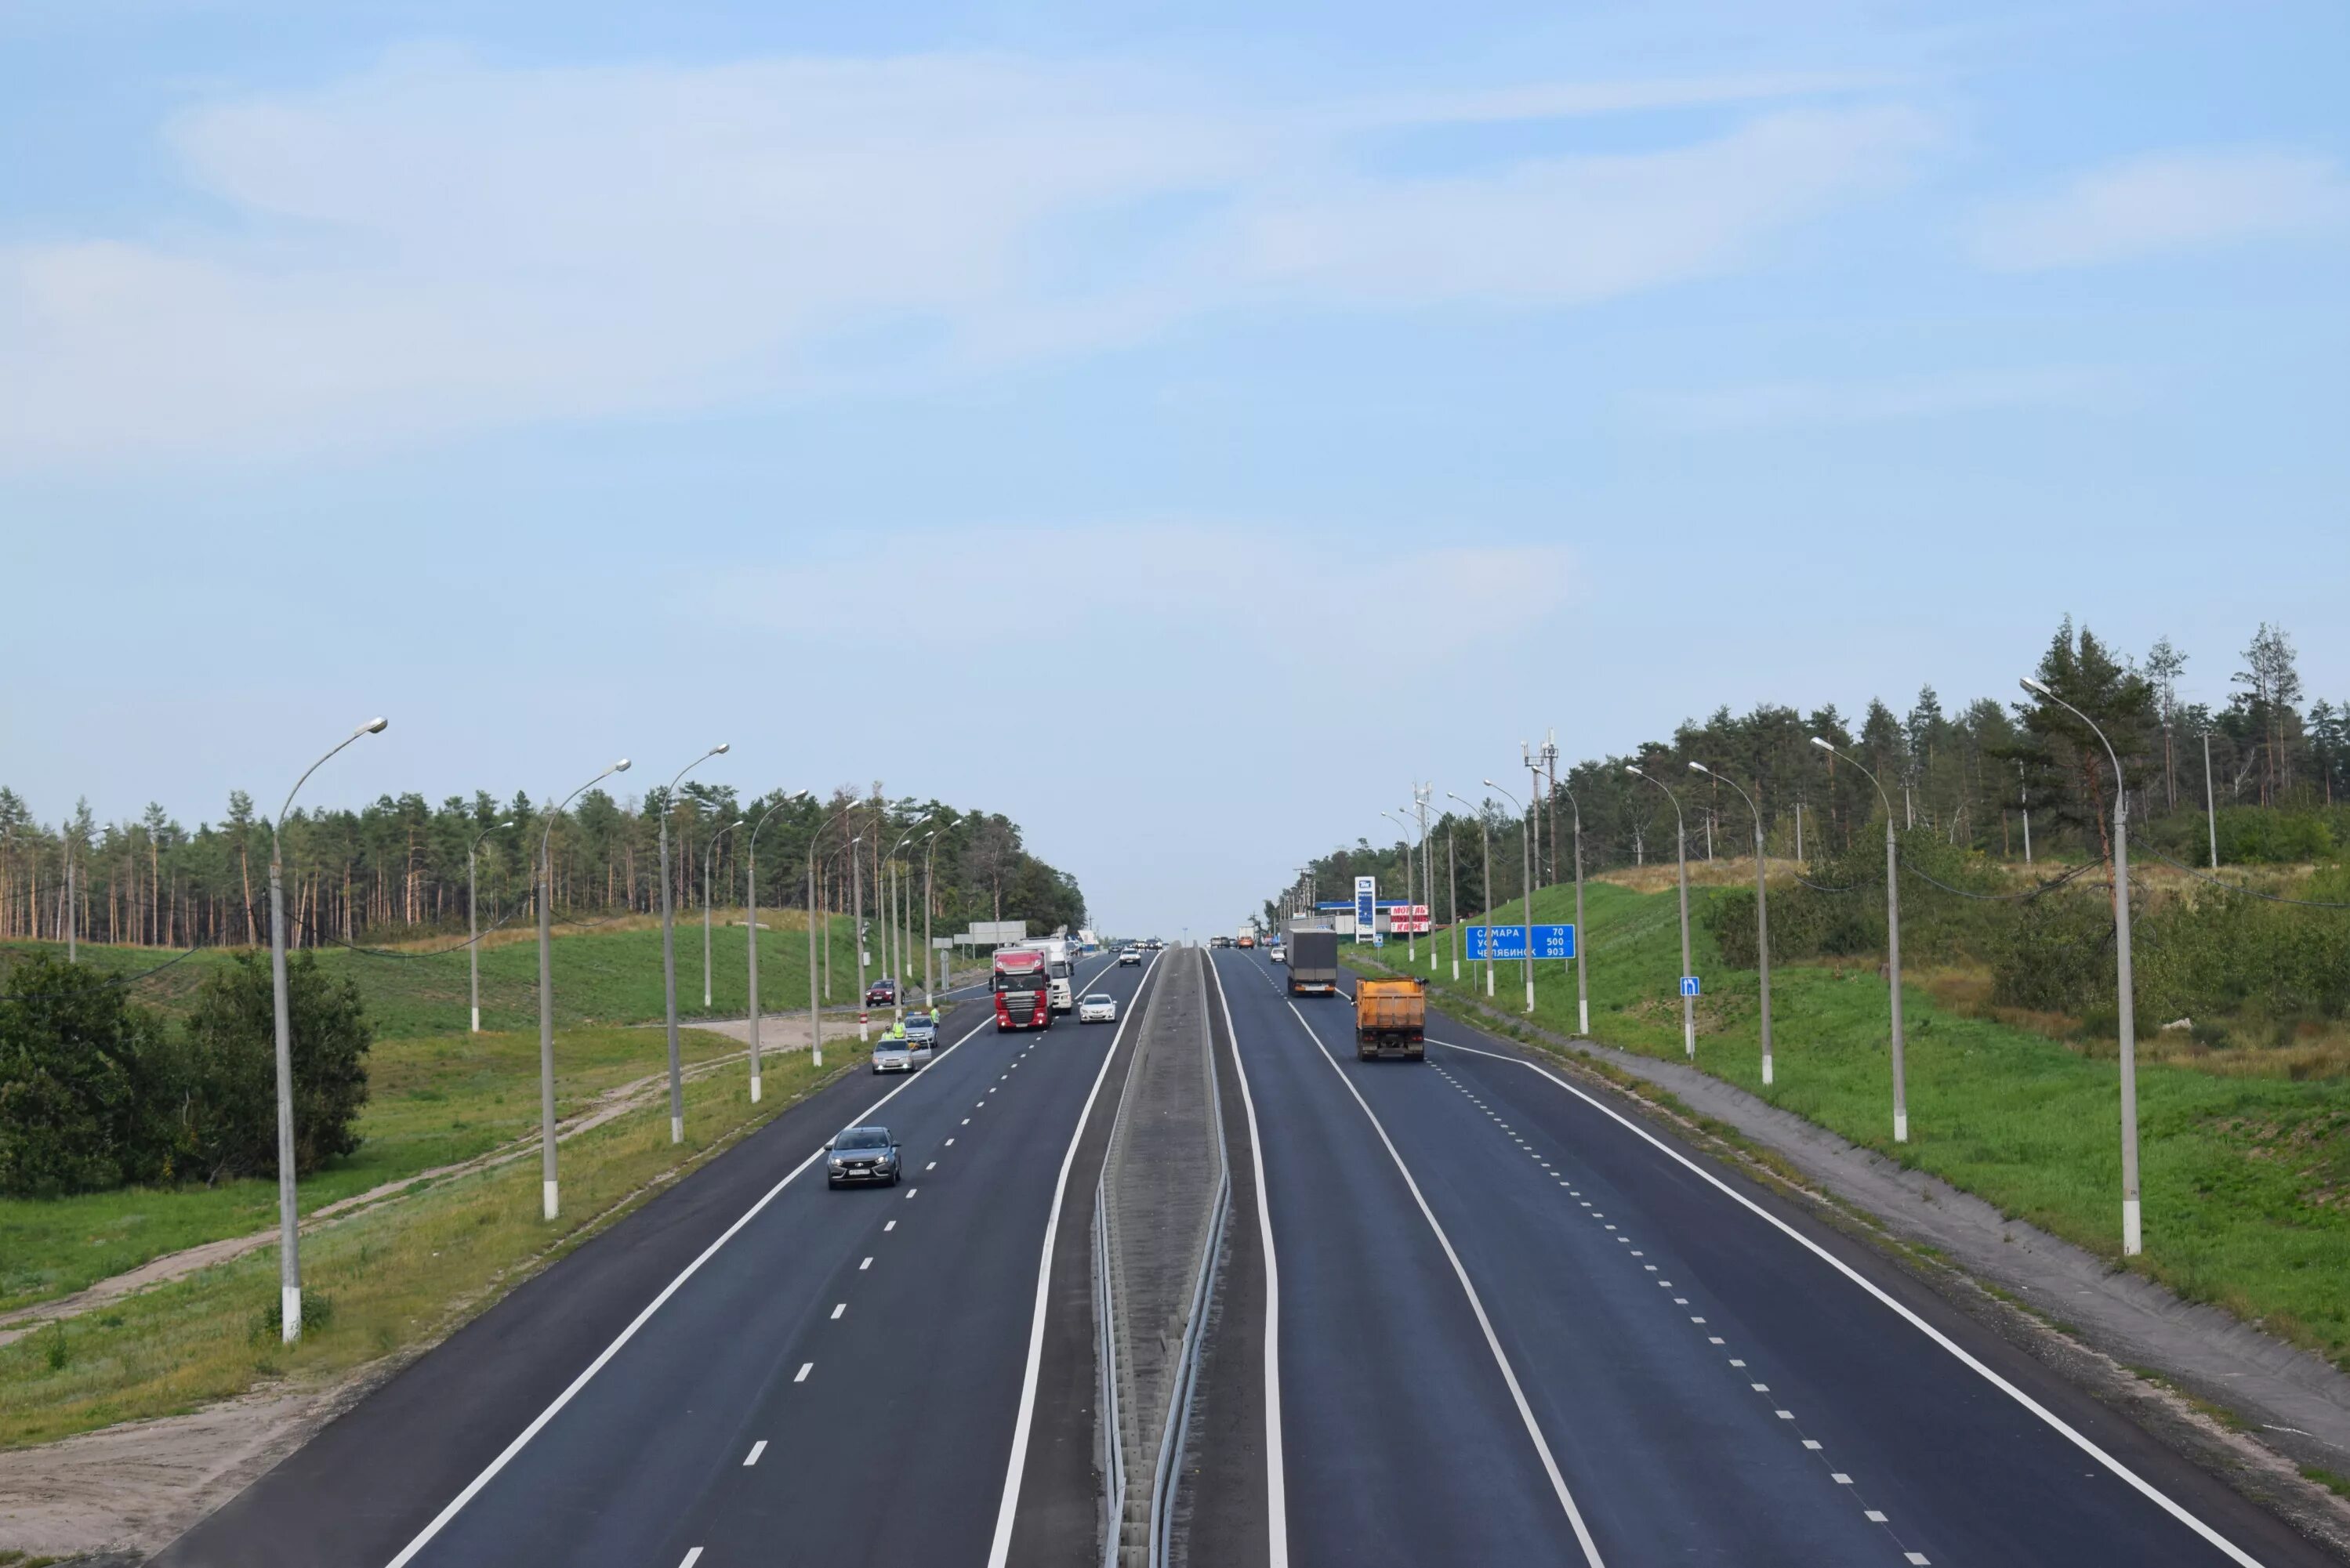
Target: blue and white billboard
column 1509, row 942
column 1367, row 908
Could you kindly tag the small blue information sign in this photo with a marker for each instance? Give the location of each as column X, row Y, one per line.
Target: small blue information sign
column 1367, row 909
column 1509, row 942
column 1689, row 985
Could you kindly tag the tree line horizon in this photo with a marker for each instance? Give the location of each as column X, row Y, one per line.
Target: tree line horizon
column 396, row 869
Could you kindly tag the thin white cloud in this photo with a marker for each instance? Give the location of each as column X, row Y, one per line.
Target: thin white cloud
column 1131, row 591
column 2167, row 202
column 1821, row 404
column 440, row 246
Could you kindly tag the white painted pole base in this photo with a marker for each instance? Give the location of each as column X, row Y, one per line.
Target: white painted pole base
column 1456, row 972
column 754, row 1088
column 1584, row 1009
column 477, row 1021
column 677, row 1130
column 289, row 1308
column 1489, row 987
column 546, row 1199
column 1689, row 1040
column 1766, row 1069
column 1901, row 1126
column 817, row 1052
column 2133, row 1242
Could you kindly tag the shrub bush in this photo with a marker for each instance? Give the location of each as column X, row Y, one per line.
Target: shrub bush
column 232, row 1126
column 86, row 1084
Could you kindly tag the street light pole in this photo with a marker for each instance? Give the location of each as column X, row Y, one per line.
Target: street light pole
column 1527, row 811
column 709, row 854
column 1453, row 894
column 897, row 989
column 856, row 927
column 1761, row 909
column 1582, row 974
column 2124, row 998
column 1892, row 948
column 289, row 1235
column 750, row 928
column 669, row 955
column 2211, row 810
column 544, row 897
column 474, row 926
column 929, row 989
column 1485, row 878
column 815, row 1008
column 1411, row 950
column 1681, row 846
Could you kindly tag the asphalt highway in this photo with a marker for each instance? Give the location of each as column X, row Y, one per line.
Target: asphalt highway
column 1516, row 1325
column 1468, row 1310
column 751, row 1368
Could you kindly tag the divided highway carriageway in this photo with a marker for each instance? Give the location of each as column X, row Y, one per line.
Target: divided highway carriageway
column 1464, row 1311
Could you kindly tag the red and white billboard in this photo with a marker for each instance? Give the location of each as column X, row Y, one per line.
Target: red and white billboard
column 1408, row 919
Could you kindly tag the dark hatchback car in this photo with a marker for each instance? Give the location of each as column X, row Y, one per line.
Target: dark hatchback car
column 862, row 1154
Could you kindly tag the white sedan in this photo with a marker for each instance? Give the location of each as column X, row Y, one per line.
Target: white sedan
column 1100, row 1007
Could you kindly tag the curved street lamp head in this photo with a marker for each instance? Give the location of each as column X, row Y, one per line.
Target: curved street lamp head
column 373, row 726
column 1821, row 744
column 1636, row 773
column 721, row 749
column 1700, row 768
column 619, row 767
column 2028, row 684
column 803, row 794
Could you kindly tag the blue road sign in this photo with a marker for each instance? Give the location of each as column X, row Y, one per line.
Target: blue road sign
column 1689, row 985
column 1509, row 942
column 1367, row 905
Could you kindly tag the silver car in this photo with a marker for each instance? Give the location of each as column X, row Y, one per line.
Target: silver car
column 893, row 1054
column 862, row 1154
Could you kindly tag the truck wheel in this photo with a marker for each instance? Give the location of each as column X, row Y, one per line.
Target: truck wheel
column 1419, row 1053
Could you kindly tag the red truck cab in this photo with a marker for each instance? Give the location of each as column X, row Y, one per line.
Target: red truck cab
column 1023, row 991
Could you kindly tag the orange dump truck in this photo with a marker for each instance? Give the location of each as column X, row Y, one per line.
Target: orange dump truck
column 1391, row 1018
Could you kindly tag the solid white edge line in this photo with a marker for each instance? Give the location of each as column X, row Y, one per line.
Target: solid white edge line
column 999, row 1551
column 1277, row 1478
column 1966, row 1358
column 1493, row 1342
column 506, row 1457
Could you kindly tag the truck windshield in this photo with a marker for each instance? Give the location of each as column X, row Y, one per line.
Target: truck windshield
column 1022, row 980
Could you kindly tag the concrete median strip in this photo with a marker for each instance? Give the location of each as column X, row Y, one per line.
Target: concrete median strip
column 1164, row 1191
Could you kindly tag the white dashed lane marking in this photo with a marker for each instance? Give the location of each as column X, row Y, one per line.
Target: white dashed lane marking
column 1811, row 1444
column 865, row 1265
column 752, row 1457
column 805, row 1367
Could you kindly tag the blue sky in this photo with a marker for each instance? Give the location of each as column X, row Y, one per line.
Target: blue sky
column 571, row 380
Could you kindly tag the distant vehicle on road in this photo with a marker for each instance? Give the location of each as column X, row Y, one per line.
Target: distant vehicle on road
column 882, row 993
column 923, row 1028
column 862, row 1154
column 1024, row 991
column 893, row 1053
column 1313, row 955
column 1130, row 955
column 1277, row 953
column 1219, row 941
column 1391, row 1018
column 1060, row 962
column 1098, row 1007
column 1245, row 940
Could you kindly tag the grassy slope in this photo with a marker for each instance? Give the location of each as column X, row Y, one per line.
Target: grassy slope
column 603, row 974
column 2246, row 1179
column 432, row 1102
column 394, row 1276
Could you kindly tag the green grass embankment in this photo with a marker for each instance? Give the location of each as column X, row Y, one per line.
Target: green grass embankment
column 390, row 1276
column 2246, row 1178
column 603, row 973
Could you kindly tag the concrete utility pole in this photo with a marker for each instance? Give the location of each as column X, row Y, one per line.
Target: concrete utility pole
column 2023, row 803
column 750, row 928
column 708, row 856
column 2124, row 998
column 1761, row 909
column 1526, row 811
column 1681, row 846
column 1582, row 972
column 474, row 926
column 1419, row 796
column 1453, row 894
column 543, row 897
column 1485, row 875
column 897, row 916
column 1892, row 948
column 1550, row 762
column 2210, row 809
column 669, row 954
column 289, row 1233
